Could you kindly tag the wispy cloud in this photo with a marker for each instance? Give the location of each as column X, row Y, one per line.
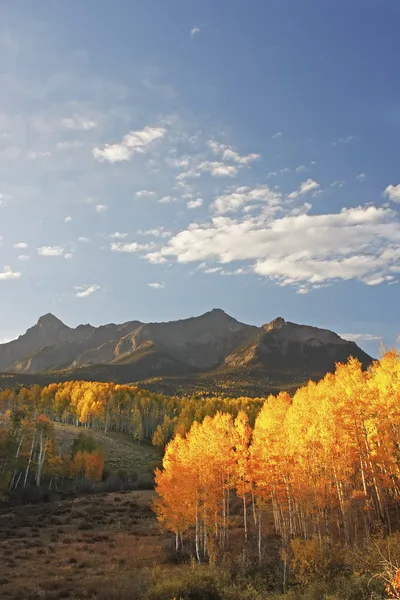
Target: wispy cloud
column 36, row 155
column 117, row 235
column 360, row 337
column 156, row 286
column 68, row 219
column 229, row 154
column 306, row 187
column 100, row 208
column 133, row 142
column 344, row 140
column 129, row 248
column 243, row 196
column 145, row 194
column 277, row 135
column 21, row 245
column 50, row 251
column 83, row 291
column 78, row 123
column 194, row 31
column 156, row 232
column 361, row 177
column 218, row 169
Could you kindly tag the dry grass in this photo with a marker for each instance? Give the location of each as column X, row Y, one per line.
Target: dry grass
column 90, row 547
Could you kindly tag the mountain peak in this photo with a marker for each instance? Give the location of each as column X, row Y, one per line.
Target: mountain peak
column 214, row 312
column 49, row 320
column 274, row 324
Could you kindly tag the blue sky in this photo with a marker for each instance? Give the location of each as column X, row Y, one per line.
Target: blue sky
column 159, row 159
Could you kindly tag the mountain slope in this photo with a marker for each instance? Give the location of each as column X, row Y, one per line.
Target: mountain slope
column 286, row 347
column 203, row 351
column 50, row 345
column 48, row 331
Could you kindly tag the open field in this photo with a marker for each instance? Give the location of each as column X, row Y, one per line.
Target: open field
column 105, row 546
column 121, row 452
column 90, row 547
column 109, row 547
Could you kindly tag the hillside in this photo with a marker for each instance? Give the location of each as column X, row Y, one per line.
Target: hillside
column 211, row 352
column 120, row 451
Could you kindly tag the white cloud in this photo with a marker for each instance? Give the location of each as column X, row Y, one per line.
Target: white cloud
column 303, row 250
column 301, row 169
column 68, row 255
column 156, row 286
column 83, row 291
column 134, row 141
column 243, row 195
column 195, row 203
column 78, row 123
column 21, row 245
column 8, row 273
column 24, row 257
column 306, row 187
column 117, row 235
column 145, row 194
column 112, row 153
column 167, row 199
column 218, row 169
column 100, row 208
column 157, row 232
column 83, row 239
column 195, row 165
column 36, row 155
column 68, row 219
column 361, row 177
column 277, row 135
column 228, row 153
column 194, row 31
column 129, row 248
column 378, row 280
column 393, row 192
column 338, row 183
column 360, row 337
column 50, row 251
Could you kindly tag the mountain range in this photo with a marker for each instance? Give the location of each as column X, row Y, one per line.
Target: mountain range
column 212, row 347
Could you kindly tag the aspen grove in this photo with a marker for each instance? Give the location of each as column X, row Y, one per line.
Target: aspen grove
column 323, row 466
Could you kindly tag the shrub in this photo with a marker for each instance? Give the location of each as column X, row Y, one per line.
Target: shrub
column 188, row 583
column 312, row 562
